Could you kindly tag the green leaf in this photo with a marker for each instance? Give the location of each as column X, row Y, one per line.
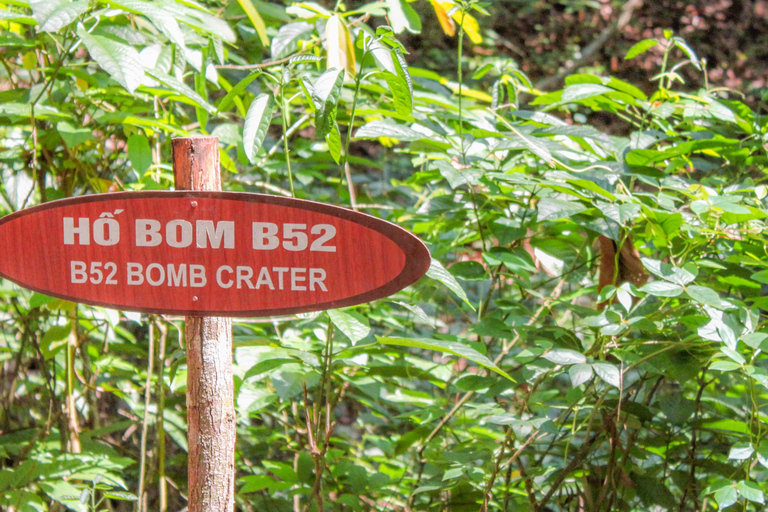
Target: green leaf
column 139, row 153
column 704, row 295
column 662, row 289
column 751, row 491
column 400, row 92
column 761, row 277
column 482, row 71
column 119, row 60
column 609, row 373
column 741, row 451
column 227, row 100
column 564, row 356
column 257, row 122
column 402, row 70
column 403, row 17
column 533, row 145
column 678, row 275
column 620, row 213
column 53, row 15
column 64, row 493
column 333, row 138
column 325, row 95
column 579, row 92
column 120, row 495
column 688, row 51
column 469, row 271
column 551, row 209
column 256, row 20
column 352, row 324
column 287, row 39
column 579, row 374
column 304, row 57
column 182, row 89
column 437, row 271
column 453, row 473
column 73, row 136
column 376, row 129
column 641, row 47
column 726, row 496
column 724, row 366
column 448, row 347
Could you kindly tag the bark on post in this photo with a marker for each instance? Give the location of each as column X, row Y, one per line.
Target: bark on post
column 210, row 393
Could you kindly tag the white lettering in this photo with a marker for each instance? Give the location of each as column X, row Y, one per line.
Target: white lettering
column 328, row 232
column 219, row 281
column 160, row 280
column 96, row 275
column 280, row 271
column 291, row 232
column 223, row 230
column 148, row 233
column 134, row 275
column 244, row 275
column 296, row 278
column 178, row 233
column 77, row 273
column 317, row 277
column 197, row 277
column 177, row 277
column 82, row 231
column 264, row 238
column 106, row 231
column 265, row 279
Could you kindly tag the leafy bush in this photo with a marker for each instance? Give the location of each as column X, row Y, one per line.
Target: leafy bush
column 590, row 333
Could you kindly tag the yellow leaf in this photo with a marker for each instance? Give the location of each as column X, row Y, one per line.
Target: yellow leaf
column 341, row 52
column 470, row 25
column 449, row 27
column 255, row 18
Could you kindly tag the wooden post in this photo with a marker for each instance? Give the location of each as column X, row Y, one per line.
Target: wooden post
column 210, row 386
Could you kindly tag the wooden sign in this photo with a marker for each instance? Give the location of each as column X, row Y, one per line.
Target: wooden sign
column 207, row 253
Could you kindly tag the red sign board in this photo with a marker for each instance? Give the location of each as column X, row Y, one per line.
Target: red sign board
column 207, row 253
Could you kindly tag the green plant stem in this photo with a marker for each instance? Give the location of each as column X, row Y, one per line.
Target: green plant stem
column 286, row 149
column 350, row 127
column 461, row 80
column 162, row 484
column 145, row 421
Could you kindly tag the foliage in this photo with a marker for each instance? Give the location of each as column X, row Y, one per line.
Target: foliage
column 507, row 379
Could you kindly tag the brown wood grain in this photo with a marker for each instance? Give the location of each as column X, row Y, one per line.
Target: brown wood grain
column 210, row 385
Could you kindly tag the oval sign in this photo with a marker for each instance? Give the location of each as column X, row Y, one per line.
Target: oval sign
column 207, row 253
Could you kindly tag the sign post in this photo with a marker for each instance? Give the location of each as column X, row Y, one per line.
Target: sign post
column 208, row 255
column 210, row 386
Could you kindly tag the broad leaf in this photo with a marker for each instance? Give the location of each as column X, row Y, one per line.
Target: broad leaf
column 353, row 325
column 119, row 60
column 579, row 374
column 564, row 356
column 376, row 129
column 438, row 272
column 609, row 373
column 53, row 15
column 287, row 39
column 325, row 95
column 256, row 20
column 403, row 17
column 341, row 52
column 257, row 122
column 641, row 47
column 449, row 347
column 183, row 90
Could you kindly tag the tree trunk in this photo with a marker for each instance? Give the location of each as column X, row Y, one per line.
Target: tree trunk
column 210, row 393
